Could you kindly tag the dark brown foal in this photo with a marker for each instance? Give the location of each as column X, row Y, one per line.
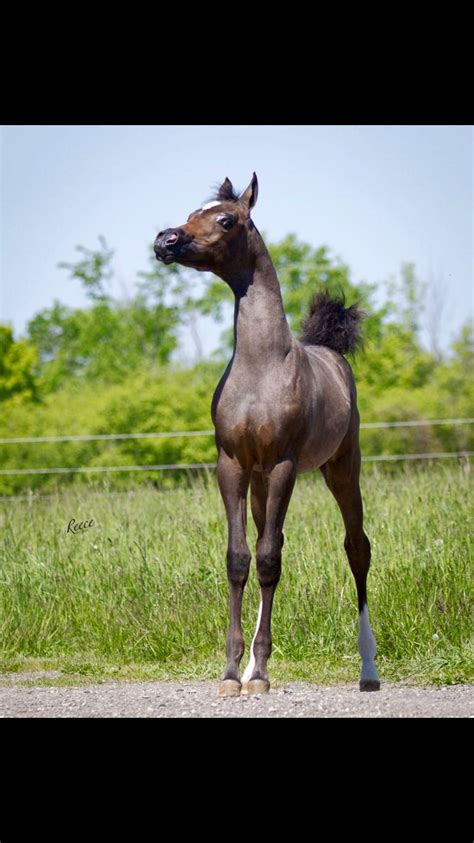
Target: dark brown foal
column 283, row 406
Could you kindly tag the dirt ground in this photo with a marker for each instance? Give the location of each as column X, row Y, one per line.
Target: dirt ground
column 19, row 698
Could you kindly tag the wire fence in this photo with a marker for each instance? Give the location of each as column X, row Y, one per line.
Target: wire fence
column 33, row 496
column 91, row 468
column 90, row 437
column 196, row 466
column 190, row 466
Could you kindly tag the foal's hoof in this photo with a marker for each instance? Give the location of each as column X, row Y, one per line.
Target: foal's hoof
column 229, row 688
column 257, row 686
column 369, row 685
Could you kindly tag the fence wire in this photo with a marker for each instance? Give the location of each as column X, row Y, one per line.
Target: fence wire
column 208, row 465
column 197, row 465
column 90, row 437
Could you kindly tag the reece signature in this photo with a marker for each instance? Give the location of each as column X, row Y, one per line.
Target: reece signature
column 75, row 527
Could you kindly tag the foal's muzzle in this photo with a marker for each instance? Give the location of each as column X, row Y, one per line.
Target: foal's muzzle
column 168, row 244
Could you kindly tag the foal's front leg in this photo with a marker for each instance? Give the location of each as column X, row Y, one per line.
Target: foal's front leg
column 233, row 484
column 279, row 487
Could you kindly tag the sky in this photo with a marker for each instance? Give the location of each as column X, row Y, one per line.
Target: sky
column 377, row 196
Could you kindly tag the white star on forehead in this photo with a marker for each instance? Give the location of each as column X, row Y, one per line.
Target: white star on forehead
column 208, row 205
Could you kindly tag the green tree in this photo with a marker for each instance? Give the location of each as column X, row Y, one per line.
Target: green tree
column 93, row 271
column 18, row 366
column 453, row 381
column 407, row 298
column 179, row 288
column 111, row 338
column 303, row 270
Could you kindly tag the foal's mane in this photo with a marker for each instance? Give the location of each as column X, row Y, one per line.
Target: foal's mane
column 225, row 192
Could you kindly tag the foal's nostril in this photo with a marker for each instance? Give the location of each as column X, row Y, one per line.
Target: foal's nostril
column 171, row 239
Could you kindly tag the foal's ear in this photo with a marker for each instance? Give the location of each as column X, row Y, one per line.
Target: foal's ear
column 249, row 197
column 226, row 191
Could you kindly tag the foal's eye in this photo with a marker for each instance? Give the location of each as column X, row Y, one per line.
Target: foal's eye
column 226, row 222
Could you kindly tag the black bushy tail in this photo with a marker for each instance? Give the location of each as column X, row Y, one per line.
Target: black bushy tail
column 332, row 324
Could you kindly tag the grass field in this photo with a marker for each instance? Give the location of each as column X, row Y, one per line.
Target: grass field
column 143, row 593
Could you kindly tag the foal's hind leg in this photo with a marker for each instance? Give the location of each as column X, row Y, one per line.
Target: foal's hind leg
column 233, row 484
column 342, row 477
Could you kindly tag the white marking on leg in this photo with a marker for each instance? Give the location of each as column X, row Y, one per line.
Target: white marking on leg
column 250, row 667
column 367, row 647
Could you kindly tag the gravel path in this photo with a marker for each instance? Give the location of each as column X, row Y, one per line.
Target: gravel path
column 199, row 699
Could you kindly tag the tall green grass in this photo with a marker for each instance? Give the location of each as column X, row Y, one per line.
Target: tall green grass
column 143, row 592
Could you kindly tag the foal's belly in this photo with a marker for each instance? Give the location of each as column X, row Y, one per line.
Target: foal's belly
column 323, row 442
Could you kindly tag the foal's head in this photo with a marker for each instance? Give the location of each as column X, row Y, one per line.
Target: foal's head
column 216, row 237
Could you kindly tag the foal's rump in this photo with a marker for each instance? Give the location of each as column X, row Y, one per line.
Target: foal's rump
column 333, row 409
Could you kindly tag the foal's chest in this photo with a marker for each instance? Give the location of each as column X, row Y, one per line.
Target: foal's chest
column 256, row 419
